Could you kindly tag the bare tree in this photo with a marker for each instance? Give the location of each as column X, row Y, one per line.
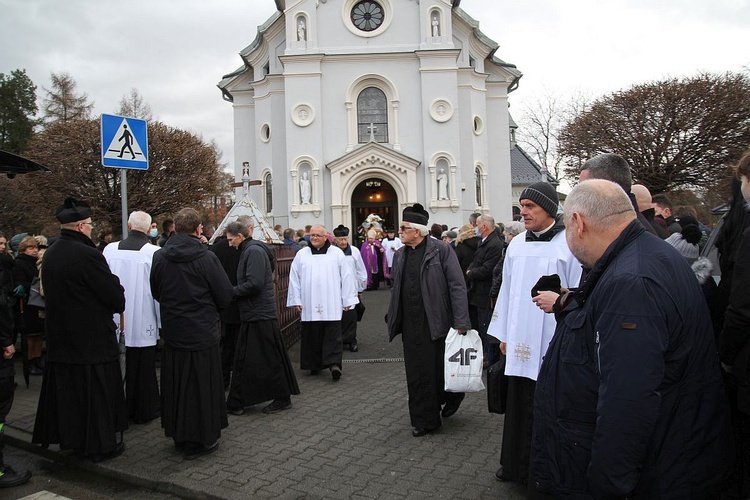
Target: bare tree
column 540, row 127
column 674, row 133
column 133, row 105
column 540, row 123
column 63, row 103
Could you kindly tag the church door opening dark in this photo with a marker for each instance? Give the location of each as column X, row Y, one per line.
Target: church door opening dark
column 373, row 196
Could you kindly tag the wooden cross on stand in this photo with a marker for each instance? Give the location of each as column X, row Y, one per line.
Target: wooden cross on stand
column 246, row 182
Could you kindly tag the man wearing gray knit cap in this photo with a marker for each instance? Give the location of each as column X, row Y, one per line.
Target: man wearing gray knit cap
column 523, row 329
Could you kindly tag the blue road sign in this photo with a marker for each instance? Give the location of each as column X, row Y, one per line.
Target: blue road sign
column 124, row 142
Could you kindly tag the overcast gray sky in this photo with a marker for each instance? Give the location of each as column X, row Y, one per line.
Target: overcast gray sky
column 174, row 52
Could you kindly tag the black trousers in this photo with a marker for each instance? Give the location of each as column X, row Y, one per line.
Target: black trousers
column 228, row 345
column 516, row 449
column 320, row 345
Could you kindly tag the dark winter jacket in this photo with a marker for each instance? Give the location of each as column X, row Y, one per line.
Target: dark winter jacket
column 629, row 400
column 659, row 230
column 479, row 273
column 191, row 288
column 497, row 275
column 734, row 342
column 255, row 291
column 230, row 259
column 24, row 272
column 465, row 252
column 81, row 295
column 443, row 287
column 6, row 316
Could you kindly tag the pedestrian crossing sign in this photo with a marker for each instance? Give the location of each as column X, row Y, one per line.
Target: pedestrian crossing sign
column 124, row 142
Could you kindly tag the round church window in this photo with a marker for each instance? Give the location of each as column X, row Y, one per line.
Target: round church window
column 367, row 15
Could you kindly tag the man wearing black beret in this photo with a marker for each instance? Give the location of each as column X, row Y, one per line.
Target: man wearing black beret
column 428, row 298
column 82, row 403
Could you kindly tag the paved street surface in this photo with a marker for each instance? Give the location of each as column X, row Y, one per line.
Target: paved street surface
column 350, row 439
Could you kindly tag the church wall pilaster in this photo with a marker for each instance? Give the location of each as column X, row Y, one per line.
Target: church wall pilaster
column 499, row 182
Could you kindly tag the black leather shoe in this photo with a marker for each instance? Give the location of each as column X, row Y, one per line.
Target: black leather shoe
column 194, row 453
column 236, row 411
column 353, row 347
column 420, row 431
column 111, row 454
column 500, row 476
column 335, row 373
column 452, row 407
column 276, row 406
column 10, row 478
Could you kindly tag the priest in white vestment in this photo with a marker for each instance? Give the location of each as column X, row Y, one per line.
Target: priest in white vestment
column 523, row 329
column 130, row 260
column 321, row 287
column 354, row 260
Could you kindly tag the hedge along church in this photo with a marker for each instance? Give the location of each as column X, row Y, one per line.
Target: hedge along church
column 344, row 108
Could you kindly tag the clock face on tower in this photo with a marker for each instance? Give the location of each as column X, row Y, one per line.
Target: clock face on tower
column 367, row 15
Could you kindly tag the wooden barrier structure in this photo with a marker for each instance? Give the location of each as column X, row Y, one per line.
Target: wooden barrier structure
column 289, row 318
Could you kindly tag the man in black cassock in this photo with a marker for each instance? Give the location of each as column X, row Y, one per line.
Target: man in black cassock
column 262, row 369
column 230, row 317
column 130, row 260
column 191, row 288
column 428, row 298
column 82, row 403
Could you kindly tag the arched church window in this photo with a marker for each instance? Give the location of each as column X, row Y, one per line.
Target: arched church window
column 478, row 185
column 372, row 116
column 268, row 183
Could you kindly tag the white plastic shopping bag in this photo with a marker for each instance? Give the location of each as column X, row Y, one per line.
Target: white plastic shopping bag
column 463, row 362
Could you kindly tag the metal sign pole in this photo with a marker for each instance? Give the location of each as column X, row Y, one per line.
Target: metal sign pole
column 124, row 196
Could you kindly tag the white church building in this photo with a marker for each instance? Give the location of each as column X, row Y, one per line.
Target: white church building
column 343, row 108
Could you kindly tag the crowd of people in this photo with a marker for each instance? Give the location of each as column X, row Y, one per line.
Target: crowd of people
column 627, row 364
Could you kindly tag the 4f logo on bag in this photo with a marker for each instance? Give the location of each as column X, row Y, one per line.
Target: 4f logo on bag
column 464, row 356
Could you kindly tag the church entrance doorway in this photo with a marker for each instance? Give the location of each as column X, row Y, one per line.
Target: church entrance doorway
column 373, row 196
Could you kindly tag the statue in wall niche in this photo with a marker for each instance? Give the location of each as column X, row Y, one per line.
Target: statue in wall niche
column 442, row 185
column 435, row 27
column 301, row 30
column 304, row 189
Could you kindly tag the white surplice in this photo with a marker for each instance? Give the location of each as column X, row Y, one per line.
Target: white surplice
column 322, row 284
column 390, row 248
column 358, row 268
column 133, row 267
column 516, row 320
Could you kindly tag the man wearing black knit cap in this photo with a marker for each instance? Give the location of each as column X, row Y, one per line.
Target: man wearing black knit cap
column 428, row 298
column 523, row 329
column 82, row 403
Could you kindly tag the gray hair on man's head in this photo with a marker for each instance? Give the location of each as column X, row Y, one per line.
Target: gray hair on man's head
column 611, row 167
column 235, row 228
column 140, row 221
column 423, row 230
column 487, row 219
column 245, row 220
column 514, row 227
column 602, row 202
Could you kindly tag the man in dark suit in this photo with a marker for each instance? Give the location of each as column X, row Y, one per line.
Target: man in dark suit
column 82, row 403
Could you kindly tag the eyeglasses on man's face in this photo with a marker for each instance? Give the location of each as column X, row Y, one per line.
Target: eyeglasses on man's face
column 317, row 235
